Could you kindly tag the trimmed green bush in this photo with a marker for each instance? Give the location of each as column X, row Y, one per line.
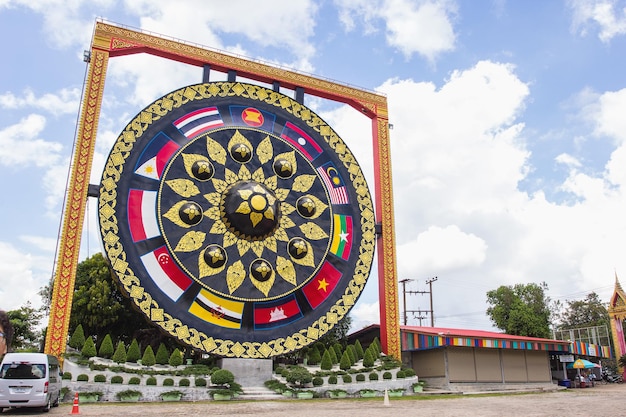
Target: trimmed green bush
column 358, row 350
column 352, row 354
column 409, row 372
column 89, row 348
column 117, row 379
column 332, row 380
column 200, row 382
column 318, row 381
column 333, row 356
column 222, row 377
column 120, row 353
column 368, row 359
column 184, row 382
column 134, row 353
column 168, row 382
column 314, row 356
column 176, row 358
column 134, row 380
column 345, row 363
column 400, row 374
column 162, row 355
column 82, row 378
column 327, row 363
column 148, row 358
column 78, row 338
column 373, row 376
column 360, row 377
column 299, row 375
column 347, row 379
column 151, row 380
column 387, row 375
column 106, row 347
column 99, row 378
column 67, row 376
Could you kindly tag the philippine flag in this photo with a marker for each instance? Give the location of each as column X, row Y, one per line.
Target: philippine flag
column 301, row 141
column 217, row 310
column 197, row 122
column 268, row 315
column 165, row 273
column 155, row 156
column 142, row 219
column 321, row 285
column 334, row 183
column 342, row 236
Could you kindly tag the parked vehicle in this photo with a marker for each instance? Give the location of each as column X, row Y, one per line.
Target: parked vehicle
column 29, row 380
column 611, row 377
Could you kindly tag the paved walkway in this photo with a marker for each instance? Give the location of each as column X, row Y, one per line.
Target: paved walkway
column 602, row 400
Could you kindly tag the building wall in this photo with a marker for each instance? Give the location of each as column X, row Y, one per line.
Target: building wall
column 486, row 371
column 429, row 363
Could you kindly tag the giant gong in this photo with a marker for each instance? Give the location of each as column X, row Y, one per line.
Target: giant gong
column 236, row 219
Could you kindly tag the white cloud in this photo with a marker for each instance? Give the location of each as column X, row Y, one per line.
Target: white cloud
column 424, row 26
column 21, row 146
column 609, row 16
column 364, row 314
column 22, row 276
column 66, row 101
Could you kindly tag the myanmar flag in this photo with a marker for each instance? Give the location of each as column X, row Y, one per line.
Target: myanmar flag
column 342, row 236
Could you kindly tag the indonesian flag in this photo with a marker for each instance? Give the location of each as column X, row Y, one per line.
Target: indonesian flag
column 217, row 310
column 165, row 273
column 272, row 314
column 198, row 122
column 142, row 218
column 342, row 236
column 155, row 156
column 321, row 285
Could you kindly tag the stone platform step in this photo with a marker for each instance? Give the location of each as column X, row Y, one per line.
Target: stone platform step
column 259, row 393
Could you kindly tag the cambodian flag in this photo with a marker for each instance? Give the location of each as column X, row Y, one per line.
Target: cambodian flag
column 301, row 141
column 142, row 219
column 165, row 273
column 268, row 315
column 321, row 285
column 197, row 122
column 155, row 156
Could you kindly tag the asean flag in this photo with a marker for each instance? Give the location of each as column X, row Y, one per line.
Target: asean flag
column 155, row 156
column 142, row 219
column 253, row 117
column 268, row 315
column 165, row 273
column 301, row 141
column 321, row 285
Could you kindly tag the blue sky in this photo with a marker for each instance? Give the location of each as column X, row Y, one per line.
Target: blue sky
column 508, row 141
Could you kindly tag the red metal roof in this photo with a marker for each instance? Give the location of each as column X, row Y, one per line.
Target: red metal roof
column 448, row 332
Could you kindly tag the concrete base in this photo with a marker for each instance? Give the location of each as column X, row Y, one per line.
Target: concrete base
column 248, row 372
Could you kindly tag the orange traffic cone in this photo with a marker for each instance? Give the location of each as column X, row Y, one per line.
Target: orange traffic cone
column 75, row 406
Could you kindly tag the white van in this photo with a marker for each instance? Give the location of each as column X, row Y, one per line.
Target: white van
column 29, row 380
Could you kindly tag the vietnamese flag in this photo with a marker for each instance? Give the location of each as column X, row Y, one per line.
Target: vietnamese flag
column 321, row 285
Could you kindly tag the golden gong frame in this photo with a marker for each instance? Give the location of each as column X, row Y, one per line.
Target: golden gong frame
column 111, row 41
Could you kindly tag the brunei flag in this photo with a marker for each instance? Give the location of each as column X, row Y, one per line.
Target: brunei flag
column 198, row 122
column 217, row 310
column 155, row 156
column 142, row 219
column 342, row 236
column 321, row 285
column 268, row 315
column 165, row 273
column 301, row 141
column 249, row 116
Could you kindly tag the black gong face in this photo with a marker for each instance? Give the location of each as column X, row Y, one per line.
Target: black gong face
column 236, row 220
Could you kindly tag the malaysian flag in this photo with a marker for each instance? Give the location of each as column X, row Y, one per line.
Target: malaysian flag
column 334, row 183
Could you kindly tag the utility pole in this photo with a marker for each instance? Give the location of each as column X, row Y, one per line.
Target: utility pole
column 432, row 315
column 419, row 311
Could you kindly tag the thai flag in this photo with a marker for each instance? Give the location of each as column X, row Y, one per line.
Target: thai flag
column 217, row 310
column 321, row 285
column 141, row 211
column 155, row 156
column 272, row 314
column 198, row 122
column 301, row 141
column 334, row 183
column 167, row 276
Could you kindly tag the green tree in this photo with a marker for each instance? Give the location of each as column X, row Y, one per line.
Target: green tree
column 106, row 347
column 338, row 334
column 99, row 304
column 358, row 350
column 314, row 356
column 148, row 358
column 333, row 355
column 299, row 376
column 584, row 313
column 522, row 309
column 222, row 377
column 338, row 350
column 89, row 348
column 26, row 336
column 120, row 353
column 162, row 355
column 176, row 358
column 327, row 363
column 78, row 338
column 368, row 358
column 351, row 354
column 134, row 353
column 345, row 363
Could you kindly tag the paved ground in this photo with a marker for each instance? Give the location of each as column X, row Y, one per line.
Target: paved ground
column 602, row 400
